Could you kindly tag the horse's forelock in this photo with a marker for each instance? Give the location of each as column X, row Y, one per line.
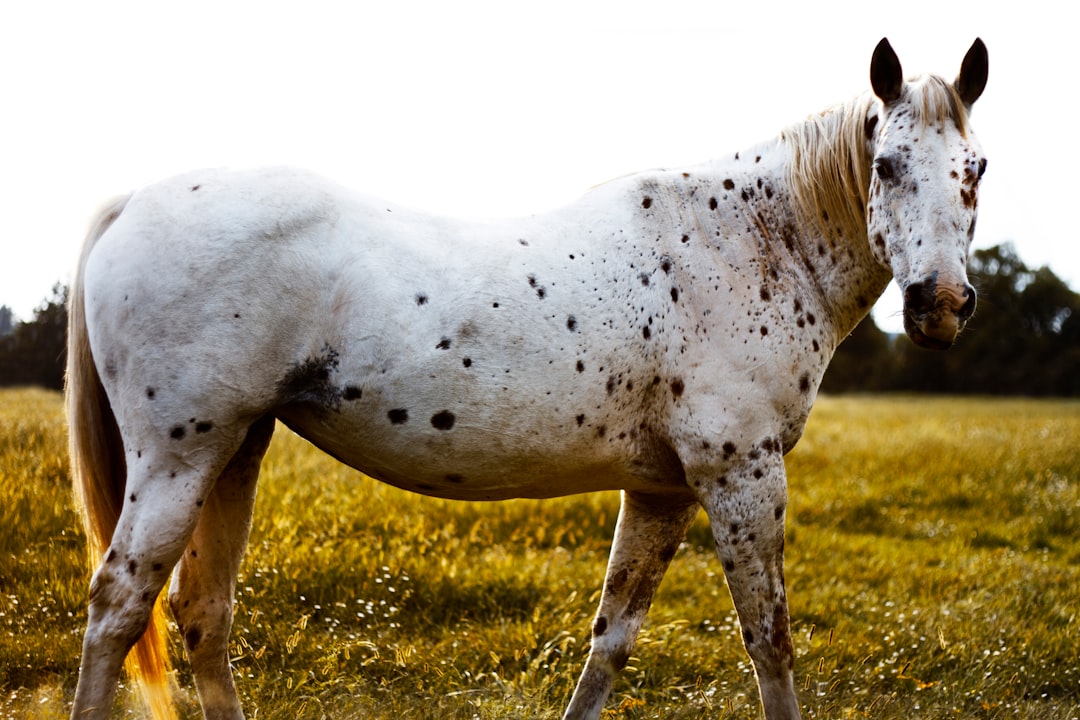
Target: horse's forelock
column 936, row 101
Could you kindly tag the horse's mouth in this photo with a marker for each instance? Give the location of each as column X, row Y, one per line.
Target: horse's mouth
column 932, row 332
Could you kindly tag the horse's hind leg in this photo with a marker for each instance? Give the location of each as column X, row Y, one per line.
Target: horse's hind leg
column 201, row 595
column 162, row 503
column 649, row 531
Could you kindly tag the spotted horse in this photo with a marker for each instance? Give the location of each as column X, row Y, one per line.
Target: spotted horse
column 664, row 336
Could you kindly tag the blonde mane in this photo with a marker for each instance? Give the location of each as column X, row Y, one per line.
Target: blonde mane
column 829, row 173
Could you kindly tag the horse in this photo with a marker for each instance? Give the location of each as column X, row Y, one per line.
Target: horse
column 663, row 336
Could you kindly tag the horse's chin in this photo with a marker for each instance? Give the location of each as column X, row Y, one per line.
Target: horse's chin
column 932, row 336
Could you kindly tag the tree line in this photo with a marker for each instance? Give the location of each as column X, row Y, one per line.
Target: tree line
column 1023, row 340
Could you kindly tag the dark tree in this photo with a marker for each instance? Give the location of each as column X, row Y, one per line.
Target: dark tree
column 7, row 320
column 34, row 353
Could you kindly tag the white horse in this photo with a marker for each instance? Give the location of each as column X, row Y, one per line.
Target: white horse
column 664, row 336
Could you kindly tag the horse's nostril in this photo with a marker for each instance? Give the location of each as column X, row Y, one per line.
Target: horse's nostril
column 919, row 297
column 968, row 309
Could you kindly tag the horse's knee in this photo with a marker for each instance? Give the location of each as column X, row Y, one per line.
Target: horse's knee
column 118, row 611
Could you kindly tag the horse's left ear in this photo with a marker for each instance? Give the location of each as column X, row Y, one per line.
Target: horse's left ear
column 973, row 71
column 886, row 75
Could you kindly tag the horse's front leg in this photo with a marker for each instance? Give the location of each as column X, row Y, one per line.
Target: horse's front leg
column 649, row 531
column 745, row 497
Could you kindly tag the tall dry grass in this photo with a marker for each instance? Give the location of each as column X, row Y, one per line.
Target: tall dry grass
column 933, row 572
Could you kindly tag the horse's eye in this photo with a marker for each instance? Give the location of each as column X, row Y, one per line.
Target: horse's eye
column 884, row 168
column 982, row 167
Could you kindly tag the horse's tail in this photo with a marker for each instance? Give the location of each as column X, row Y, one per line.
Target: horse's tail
column 99, row 472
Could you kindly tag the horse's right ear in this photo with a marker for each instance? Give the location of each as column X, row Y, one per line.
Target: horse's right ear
column 886, row 75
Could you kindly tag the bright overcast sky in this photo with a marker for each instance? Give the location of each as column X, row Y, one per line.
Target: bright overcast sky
column 488, row 109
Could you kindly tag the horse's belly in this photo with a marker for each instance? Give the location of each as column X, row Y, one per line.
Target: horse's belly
column 460, row 461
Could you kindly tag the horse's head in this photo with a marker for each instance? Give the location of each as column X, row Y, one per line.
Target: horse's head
column 923, row 190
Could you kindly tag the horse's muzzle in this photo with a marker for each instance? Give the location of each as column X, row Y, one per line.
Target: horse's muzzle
column 935, row 314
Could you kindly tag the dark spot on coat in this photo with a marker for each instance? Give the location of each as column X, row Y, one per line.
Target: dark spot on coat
column 729, row 565
column 601, row 431
column 541, row 292
column 870, row 125
column 204, row 427
column 618, row 580
column 443, row 344
column 571, row 323
column 467, row 362
column 748, row 637
column 443, row 420
column 646, row 332
column 421, row 299
column 729, row 184
column 195, row 187
column 644, row 277
column 178, row 432
column 580, row 420
column 132, row 497
column 580, row 366
column 156, row 567
column 150, row 393
column 611, row 385
column 352, row 393
column 674, row 295
column 309, row 381
column 778, row 512
column 729, row 448
column 764, row 331
column 132, row 567
column 600, row 626
column 192, row 638
column 713, row 203
column 646, row 202
column 765, row 294
column 523, row 242
column 398, row 416
column 677, row 387
column 685, row 238
column 454, row 478
column 804, row 382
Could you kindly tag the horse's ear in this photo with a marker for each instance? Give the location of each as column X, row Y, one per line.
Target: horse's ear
column 973, row 71
column 886, row 75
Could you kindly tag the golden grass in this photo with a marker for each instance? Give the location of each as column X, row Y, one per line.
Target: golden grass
column 933, row 572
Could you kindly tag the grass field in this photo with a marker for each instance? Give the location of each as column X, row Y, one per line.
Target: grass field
column 933, row 571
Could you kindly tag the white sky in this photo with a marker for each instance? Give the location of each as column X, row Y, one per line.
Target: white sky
column 488, row 109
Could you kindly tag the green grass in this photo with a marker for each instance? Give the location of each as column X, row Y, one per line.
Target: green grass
column 933, row 568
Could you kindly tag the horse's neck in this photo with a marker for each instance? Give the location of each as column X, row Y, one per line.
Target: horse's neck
column 836, row 267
